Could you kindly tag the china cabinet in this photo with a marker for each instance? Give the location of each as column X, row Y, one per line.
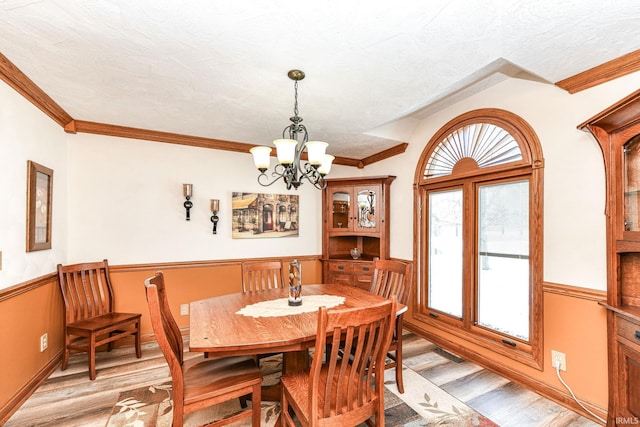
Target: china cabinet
column 617, row 130
column 355, row 228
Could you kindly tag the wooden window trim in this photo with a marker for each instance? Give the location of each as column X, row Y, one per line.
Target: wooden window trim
column 531, row 168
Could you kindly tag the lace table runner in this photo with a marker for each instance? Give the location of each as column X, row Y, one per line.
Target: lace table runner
column 281, row 307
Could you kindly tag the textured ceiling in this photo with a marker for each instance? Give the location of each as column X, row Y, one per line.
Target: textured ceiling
column 217, row 69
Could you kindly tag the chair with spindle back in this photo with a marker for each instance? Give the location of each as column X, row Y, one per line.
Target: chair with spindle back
column 393, row 278
column 261, row 275
column 200, row 383
column 337, row 390
column 90, row 320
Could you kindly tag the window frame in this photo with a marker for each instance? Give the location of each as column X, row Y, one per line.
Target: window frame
column 530, row 167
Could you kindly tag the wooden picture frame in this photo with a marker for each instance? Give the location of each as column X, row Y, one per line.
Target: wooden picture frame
column 39, row 198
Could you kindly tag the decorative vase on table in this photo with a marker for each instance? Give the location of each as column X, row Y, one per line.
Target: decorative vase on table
column 355, row 253
column 295, row 283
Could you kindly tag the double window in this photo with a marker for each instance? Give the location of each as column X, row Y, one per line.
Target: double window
column 479, row 198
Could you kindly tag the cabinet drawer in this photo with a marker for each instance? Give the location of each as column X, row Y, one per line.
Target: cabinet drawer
column 629, row 330
column 341, row 267
column 363, row 268
column 341, row 279
column 363, row 281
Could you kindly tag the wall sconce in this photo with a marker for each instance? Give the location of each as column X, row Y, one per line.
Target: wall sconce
column 187, row 189
column 215, row 207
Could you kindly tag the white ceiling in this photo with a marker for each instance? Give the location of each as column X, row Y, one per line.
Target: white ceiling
column 218, row 68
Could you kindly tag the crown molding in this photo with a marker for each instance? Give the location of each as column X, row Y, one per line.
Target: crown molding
column 27, row 88
column 22, row 84
column 603, row 73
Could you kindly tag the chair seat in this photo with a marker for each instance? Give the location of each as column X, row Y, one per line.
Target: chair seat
column 207, row 378
column 108, row 321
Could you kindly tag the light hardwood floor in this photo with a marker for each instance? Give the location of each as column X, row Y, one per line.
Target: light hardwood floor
column 69, row 399
column 504, row 402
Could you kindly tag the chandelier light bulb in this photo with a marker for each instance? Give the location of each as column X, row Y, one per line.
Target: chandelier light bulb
column 261, row 157
column 325, row 167
column 286, row 149
column 316, row 152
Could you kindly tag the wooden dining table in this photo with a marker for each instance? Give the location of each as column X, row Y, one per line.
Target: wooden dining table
column 216, row 327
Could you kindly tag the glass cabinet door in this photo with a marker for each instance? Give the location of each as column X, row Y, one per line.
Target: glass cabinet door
column 632, row 184
column 340, row 209
column 367, row 214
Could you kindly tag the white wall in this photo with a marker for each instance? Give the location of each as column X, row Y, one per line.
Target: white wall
column 127, row 203
column 574, row 186
column 122, row 199
column 26, row 133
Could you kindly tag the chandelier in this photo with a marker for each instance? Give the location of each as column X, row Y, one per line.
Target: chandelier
column 289, row 151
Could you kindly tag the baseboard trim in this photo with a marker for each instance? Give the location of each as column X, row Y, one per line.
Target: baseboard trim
column 29, row 388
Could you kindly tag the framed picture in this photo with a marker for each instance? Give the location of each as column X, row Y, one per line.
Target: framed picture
column 39, row 197
column 257, row 215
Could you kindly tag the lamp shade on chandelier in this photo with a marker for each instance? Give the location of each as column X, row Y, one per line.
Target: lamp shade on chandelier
column 290, row 149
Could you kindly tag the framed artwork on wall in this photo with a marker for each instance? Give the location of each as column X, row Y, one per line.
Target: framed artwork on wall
column 257, row 215
column 39, row 198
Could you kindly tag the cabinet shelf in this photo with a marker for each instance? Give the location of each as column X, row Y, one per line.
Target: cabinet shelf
column 348, row 257
column 628, row 311
column 625, row 246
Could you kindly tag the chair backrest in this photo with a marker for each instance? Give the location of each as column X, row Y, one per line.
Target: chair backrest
column 392, row 278
column 261, row 275
column 86, row 290
column 167, row 334
column 353, row 384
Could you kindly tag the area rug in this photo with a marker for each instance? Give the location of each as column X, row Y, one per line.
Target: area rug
column 434, row 406
column 422, row 404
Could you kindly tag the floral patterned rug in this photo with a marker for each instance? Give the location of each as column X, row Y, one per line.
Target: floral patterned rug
column 152, row 407
column 422, row 404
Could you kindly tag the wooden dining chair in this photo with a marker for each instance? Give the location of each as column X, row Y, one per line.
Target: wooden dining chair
column 200, row 383
column 261, row 275
column 343, row 391
column 393, row 278
column 90, row 320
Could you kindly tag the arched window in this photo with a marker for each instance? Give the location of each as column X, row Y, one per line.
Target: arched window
column 479, row 198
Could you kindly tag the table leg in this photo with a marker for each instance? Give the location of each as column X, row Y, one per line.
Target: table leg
column 292, row 361
column 295, row 361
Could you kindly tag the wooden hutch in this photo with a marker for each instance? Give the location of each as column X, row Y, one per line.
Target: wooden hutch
column 355, row 228
column 617, row 130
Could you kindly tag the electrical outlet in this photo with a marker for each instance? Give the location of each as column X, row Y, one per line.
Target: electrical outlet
column 558, row 357
column 184, row 309
column 44, row 342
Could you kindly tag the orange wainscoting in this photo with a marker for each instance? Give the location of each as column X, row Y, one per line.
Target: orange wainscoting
column 574, row 324
column 30, row 309
column 27, row 311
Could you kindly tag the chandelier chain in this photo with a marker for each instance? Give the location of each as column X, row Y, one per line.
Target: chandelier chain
column 295, row 104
